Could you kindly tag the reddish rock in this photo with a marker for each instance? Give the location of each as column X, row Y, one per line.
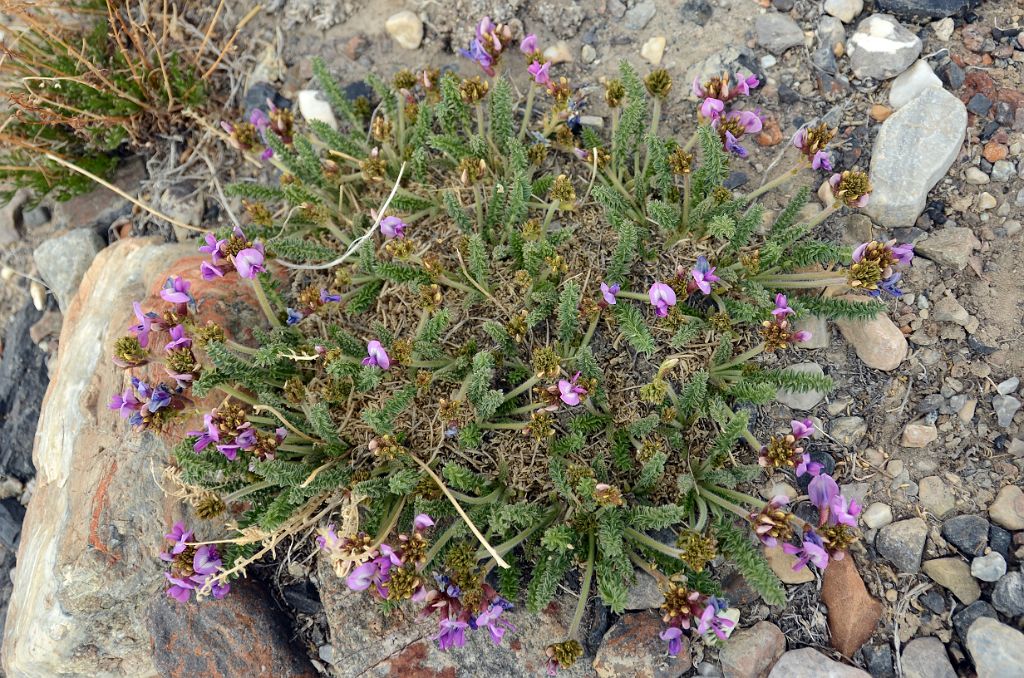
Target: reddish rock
column 852, row 613
column 771, row 134
column 977, row 82
column 632, row 648
column 994, row 152
column 973, row 37
column 751, row 653
column 879, row 112
column 355, row 46
column 238, row 636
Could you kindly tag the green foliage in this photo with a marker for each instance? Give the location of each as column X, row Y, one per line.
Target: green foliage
column 737, row 545
column 634, row 328
column 382, row 419
column 569, row 311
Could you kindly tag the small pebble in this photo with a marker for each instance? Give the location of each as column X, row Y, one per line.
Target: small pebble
column 989, row 567
column 1008, row 386
column 986, row 201
column 653, row 50
column 588, row 54
column 38, row 294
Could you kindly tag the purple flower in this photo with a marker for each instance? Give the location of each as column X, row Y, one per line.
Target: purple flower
column 782, row 308
column 843, row 511
column 811, row 550
column 822, row 490
column 178, row 339
column 293, row 316
column 711, row 108
column 750, row 120
column 710, row 621
column 733, row 145
column 822, row 160
column 376, row 356
column 361, row 577
column 160, row 398
column 249, row 261
column 215, row 248
column 175, row 291
column 477, row 53
column 570, row 392
column 422, row 522
column 801, row 336
column 209, row 272
column 145, row 325
column 609, row 292
column 210, row 435
column 662, row 297
column 807, row 466
column 261, row 122
column 180, row 589
column 904, row 253
column 540, row 72
column 744, row 85
column 126, row 403
column 328, row 539
column 206, row 562
column 452, row 634
column 674, row 636
column 834, row 183
column 802, row 428
column 179, row 536
column 392, row 227
column 889, row 286
column 799, row 139
column 528, row 45
column 325, row 297
column 491, row 620
column 703, row 275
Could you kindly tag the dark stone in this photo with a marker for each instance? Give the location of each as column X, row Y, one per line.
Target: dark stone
column 985, row 166
column 11, row 516
column 952, row 75
column 988, row 131
column 1008, row 595
column 697, row 11
column 934, row 601
column 999, row 540
column 360, row 88
column 737, row 591
column 930, row 403
column 936, row 211
column 735, row 180
column 787, row 95
column 980, row 348
column 600, row 622
column 878, row 660
column 202, row 639
column 783, row 5
column 257, row 96
column 963, row 619
column 303, row 596
column 967, row 533
column 979, row 104
column 824, row 59
column 924, row 9
column 23, row 382
column 1004, row 116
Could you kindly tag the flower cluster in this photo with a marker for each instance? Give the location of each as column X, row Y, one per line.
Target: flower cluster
column 191, row 566
column 685, row 609
column 245, row 136
column 228, row 430
column 146, row 406
column 875, row 265
column 777, row 332
column 731, row 126
column 490, row 41
column 785, row 452
column 246, row 256
column 811, row 142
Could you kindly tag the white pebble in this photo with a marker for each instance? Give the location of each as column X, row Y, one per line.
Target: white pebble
column 406, row 28
column 38, row 294
column 654, row 49
column 313, row 107
column 6, row 273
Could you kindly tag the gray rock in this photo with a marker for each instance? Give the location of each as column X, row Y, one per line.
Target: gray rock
column 997, row 649
column 99, row 208
column 975, row 177
column 902, row 543
column 1008, row 595
column 844, row 10
column 1007, row 386
column 802, row 400
column 849, row 430
column 963, row 619
column 1008, row 508
column 926, row 658
column 1005, row 407
column 777, row 32
column 36, row 217
column 879, row 661
column 877, row 515
column 631, row 647
column 644, row 594
column 753, row 651
column 936, row 496
column 830, row 32
column 948, row 309
column 910, row 82
column 62, row 262
column 809, row 663
column 818, row 327
column 952, row 246
column 930, row 129
column 954, row 574
column 967, row 533
column 989, row 567
column 881, row 48
column 1003, row 170
column 23, row 382
column 638, row 16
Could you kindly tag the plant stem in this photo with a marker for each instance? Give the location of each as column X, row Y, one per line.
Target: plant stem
column 486, row 499
column 241, row 348
column 527, row 408
column 503, row 425
column 236, row 394
column 264, row 302
column 741, row 358
column 528, row 110
column 439, row 543
column 739, row 496
column 525, row 386
column 728, row 505
column 639, row 296
column 652, row 543
column 777, row 181
column 515, row 541
column 481, row 127
column 588, row 576
column 589, row 334
column 248, row 489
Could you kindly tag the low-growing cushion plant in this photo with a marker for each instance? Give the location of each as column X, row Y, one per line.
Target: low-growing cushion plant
column 501, row 346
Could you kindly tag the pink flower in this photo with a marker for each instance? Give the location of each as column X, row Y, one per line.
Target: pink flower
column 822, row 490
column 711, row 108
column 361, row 577
column 674, row 636
column 452, row 634
column 802, row 428
column 208, row 271
column 178, row 339
column 540, row 72
column 662, row 298
column 175, row 290
column 843, row 511
column 749, row 120
column 609, row 292
column 811, row 550
column 744, row 85
column 392, row 228
column 376, row 356
column 249, row 262
column 422, row 522
column 782, row 308
column 703, row 275
column 801, row 336
column 528, row 45
column 710, row 621
column 570, row 392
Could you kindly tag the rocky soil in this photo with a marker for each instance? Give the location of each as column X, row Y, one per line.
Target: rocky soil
column 923, row 428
